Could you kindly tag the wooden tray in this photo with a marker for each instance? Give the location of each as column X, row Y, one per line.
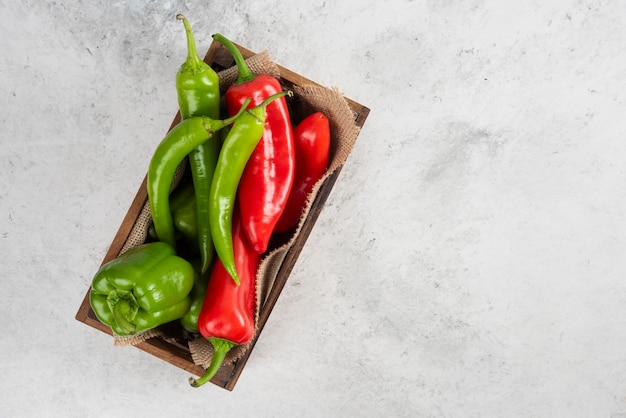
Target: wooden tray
column 174, row 349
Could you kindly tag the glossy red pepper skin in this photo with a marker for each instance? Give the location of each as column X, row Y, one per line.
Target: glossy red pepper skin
column 312, row 144
column 228, row 310
column 268, row 177
column 227, row 317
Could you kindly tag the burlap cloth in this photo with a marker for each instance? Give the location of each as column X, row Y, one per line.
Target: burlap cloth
column 343, row 136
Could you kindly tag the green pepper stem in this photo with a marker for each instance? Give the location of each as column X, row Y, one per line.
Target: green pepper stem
column 245, row 74
column 214, row 125
column 273, row 97
column 193, row 60
column 259, row 110
column 221, row 347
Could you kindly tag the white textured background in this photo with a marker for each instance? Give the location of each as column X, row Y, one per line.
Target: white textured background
column 470, row 261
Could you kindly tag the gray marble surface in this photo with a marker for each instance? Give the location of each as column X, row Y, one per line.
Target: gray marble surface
column 469, row 261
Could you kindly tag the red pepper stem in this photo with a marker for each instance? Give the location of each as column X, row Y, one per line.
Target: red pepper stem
column 193, row 60
column 221, row 347
column 245, row 74
column 214, row 125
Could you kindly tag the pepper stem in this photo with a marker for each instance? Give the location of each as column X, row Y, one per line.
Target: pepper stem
column 214, row 125
column 274, row 97
column 245, row 74
column 193, row 60
column 259, row 110
column 221, row 347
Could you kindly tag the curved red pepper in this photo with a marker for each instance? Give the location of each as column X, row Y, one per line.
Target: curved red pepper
column 268, row 177
column 312, row 143
column 228, row 311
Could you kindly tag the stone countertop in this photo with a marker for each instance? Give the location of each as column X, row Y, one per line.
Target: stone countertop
column 469, row 260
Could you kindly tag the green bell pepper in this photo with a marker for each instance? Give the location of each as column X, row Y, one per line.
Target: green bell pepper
column 145, row 287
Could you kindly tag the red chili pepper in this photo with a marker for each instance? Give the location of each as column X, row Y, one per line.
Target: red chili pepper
column 312, row 143
column 268, row 177
column 228, row 311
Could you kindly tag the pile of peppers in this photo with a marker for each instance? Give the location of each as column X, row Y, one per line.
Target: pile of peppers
column 250, row 172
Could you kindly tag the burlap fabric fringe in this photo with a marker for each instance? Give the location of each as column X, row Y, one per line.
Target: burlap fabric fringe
column 343, row 133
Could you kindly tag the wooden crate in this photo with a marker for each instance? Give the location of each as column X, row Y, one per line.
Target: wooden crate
column 174, row 349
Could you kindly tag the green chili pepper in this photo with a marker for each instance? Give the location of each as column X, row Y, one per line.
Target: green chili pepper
column 183, row 208
column 241, row 140
column 184, row 214
column 176, row 145
column 198, row 89
column 143, row 288
column 189, row 321
column 197, row 84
